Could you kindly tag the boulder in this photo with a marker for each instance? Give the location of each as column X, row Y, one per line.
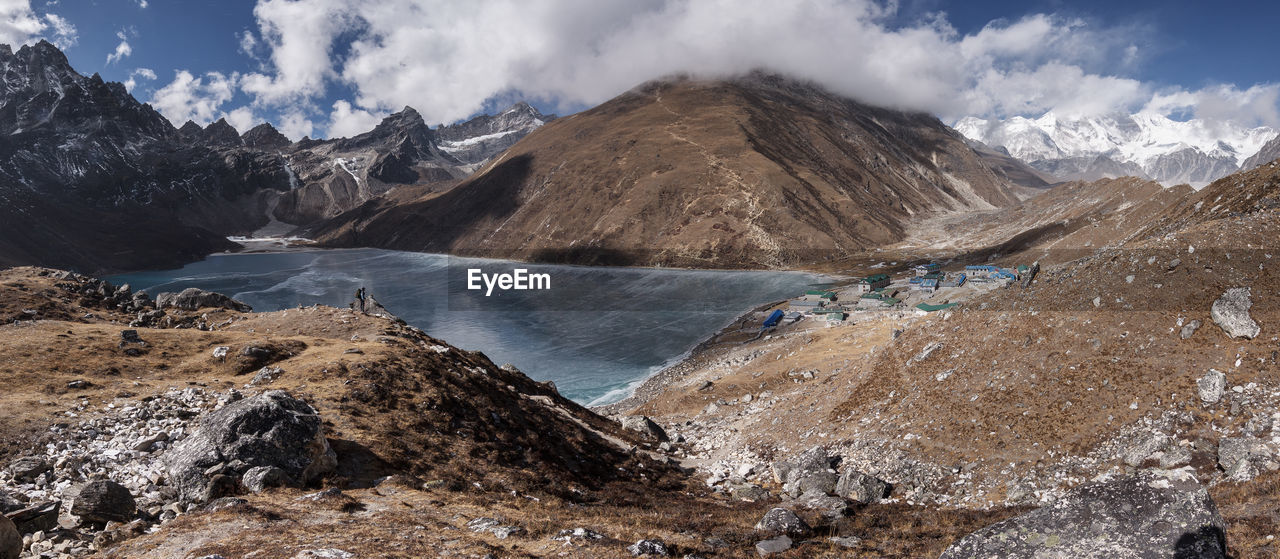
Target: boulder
column 258, row 478
column 272, row 429
column 823, row 481
column 1211, row 386
column 1231, row 313
column 37, row 517
column 192, row 299
column 28, row 468
column 1151, row 514
column 101, row 501
column 10, row 540
column 643, row 425
column 860, row 487
column 1234, row 451
column 774, row 546
column 655, row 548
column 782, row 521
column 9, row 504
column 826, row 505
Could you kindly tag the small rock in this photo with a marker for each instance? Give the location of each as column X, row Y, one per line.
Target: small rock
column 35, row 518
column 1231, row 313
column 848, row 541
column 1190, row 329
column 220, row 352
column 78, row 384
column 649, row 547
column 130, row 337
column 326, row 553
column 782, row 521
column 504, row 532
column 578, row 534
column 1211, row 386
column 774, row 546
column 146, row 444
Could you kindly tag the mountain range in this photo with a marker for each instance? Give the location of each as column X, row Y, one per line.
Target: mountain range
column 1144, row 145
column 92, row 179
column 755, row 171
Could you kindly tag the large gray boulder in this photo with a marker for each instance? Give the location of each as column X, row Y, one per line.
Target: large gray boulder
column 1152, row 514
column 860, row 487
column 1231, row 313
column 272, row 429
column 645, row 426
column 102, row 501
column 192, row 299
column 782, row 521
column 10, row 539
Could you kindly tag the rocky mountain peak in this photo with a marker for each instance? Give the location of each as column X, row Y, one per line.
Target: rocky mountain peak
column 221, row 133
column 265, row 136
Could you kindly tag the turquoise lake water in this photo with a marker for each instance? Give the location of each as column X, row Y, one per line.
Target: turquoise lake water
column 597, row 332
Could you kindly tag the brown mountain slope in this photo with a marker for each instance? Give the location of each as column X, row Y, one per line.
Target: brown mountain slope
column 757, row 171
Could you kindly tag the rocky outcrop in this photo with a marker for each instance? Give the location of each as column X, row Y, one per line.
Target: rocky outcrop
column 192, row 299
column 272, row 430
column 1147, row 515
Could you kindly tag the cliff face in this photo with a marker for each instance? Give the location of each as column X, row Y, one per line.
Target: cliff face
column 759, row 171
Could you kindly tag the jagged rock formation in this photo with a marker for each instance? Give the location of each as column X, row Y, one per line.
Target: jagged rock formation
column 758, row 171
column 92, row 179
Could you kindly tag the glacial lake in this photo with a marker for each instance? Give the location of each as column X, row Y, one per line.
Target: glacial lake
column 597, row 332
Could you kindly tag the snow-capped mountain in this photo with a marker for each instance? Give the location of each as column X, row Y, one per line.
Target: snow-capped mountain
column 1144, row 144
column 485, row 136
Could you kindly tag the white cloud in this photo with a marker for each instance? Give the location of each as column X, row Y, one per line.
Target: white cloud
column 142, row 4
column 242, row 119
column 122, row 49
column 448, row 59
column 301, row 35
column 132, row 81
column 198, row 99
column 1221, row 105
column 20, row 25
column 295, row 125
column 346, row 121
column 64, row 33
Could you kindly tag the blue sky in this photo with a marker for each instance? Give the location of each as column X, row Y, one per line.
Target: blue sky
column 330, row 67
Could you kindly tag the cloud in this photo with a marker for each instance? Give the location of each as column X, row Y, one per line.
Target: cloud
column 242, row 119
column 132, row 80
column 122, row 49
column 346, row 121
column 195, row 98
column 142, row 4
column 295, row 124
column 19, row 25
column 449, row 60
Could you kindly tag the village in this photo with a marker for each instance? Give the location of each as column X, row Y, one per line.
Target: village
column 924, row 289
